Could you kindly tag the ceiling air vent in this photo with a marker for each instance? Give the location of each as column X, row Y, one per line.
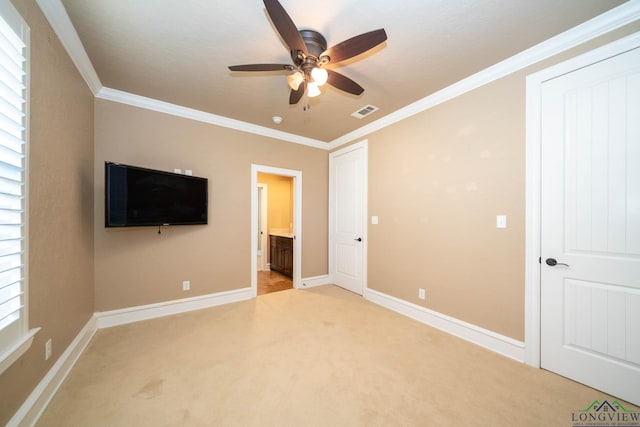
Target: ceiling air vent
column 365, row 111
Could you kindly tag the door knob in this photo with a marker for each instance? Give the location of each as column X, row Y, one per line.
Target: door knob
column 359, row 239
column 552, row 262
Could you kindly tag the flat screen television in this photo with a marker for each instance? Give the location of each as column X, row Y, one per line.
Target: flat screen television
column 136, row 197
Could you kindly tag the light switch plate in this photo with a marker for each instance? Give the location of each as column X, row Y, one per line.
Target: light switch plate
column 374, row 219
column 501, row 221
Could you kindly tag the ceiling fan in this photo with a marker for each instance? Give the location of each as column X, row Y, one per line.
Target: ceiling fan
column 310, row 55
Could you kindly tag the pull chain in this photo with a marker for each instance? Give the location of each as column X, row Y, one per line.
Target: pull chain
column 306, row 105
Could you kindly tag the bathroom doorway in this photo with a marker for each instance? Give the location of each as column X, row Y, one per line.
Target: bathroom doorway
column 275, row 228
column 275, row 207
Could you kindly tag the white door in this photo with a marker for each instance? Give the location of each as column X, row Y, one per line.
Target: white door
column 347, row 217
column 590, row 307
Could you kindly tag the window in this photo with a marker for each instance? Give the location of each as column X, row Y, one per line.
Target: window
column 13, row 228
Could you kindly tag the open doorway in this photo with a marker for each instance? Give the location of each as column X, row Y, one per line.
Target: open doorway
column 275, row 229
column 275, row 233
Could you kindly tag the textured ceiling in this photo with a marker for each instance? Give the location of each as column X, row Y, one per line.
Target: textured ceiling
column 178, row 51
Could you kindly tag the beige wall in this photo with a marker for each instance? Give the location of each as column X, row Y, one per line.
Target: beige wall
column 279, row 200
column 60, row 208
column 437, row 180
column 136, row 266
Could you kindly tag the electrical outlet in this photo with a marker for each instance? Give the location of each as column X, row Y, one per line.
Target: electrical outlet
column 186, row 285
column 421, row 293
column 47, row 349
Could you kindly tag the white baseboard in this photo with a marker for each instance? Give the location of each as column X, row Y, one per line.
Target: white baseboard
column 310, row 282
column 107, row 319
column 501, row 344
column 40, row 397
column 36, row 403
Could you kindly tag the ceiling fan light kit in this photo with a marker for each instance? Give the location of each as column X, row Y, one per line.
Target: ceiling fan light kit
column 295, row 80
column 313, row 90
column 310, row 55
column 319, row 76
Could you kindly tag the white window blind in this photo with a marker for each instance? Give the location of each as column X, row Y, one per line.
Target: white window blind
column 12, row 184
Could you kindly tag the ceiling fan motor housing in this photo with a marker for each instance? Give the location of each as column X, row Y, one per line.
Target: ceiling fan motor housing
column 316, row 45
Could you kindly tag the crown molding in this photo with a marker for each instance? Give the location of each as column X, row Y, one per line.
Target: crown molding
column 602, row 24
column 201, row 116
column 57, row 16
column 59, row 20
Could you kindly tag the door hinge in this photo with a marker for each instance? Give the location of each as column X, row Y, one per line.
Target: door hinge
column 540, row 260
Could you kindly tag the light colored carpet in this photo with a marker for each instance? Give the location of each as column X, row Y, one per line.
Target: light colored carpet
column 317, row 357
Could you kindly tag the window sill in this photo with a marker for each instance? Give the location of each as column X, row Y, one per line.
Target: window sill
column 11, row 355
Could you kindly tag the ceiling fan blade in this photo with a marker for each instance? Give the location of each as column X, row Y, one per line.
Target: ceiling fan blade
column 344, row 83
column 261, row 67
column 285, row 26
column 356, row 45
column 296, row 95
